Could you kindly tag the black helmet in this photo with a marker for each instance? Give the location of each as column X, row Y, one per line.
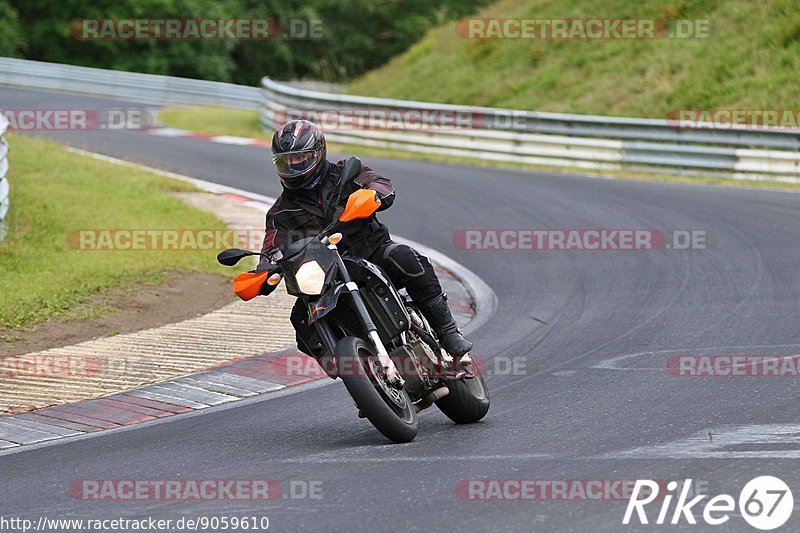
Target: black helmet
column 298, row 152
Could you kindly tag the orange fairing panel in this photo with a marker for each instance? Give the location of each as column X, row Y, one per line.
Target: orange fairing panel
column 361, row 204
column 247, row 285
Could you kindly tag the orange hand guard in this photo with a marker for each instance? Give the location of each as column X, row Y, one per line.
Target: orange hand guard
column 361, row 204
column 247, row 285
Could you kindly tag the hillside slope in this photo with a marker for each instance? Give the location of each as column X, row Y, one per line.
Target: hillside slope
column 751, row 60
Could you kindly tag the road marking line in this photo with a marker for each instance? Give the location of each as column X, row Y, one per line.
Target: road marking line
column 757, row 441
column 612, row 363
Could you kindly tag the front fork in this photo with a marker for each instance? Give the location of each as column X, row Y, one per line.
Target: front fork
column 372, row 331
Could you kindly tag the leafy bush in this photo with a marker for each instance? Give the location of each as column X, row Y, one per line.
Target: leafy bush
column 357, row 35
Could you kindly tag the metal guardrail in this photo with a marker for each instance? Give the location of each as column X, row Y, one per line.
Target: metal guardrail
column 552, row 139
column 4, row 186
column 145, row 88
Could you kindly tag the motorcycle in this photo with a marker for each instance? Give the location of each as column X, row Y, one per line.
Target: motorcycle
column 374, row 337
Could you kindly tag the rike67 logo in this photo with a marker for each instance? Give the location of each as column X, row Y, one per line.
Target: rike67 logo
column 765, row 503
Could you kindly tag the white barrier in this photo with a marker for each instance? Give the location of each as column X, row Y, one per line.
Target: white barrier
column 552, row 139
column 4, row 186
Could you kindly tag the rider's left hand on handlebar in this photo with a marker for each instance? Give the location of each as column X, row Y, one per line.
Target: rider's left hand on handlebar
column 361, row 204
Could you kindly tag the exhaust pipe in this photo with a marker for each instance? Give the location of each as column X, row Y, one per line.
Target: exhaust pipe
column 428, row 400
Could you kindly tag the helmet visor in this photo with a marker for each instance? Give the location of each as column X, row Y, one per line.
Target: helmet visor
column 293, row 164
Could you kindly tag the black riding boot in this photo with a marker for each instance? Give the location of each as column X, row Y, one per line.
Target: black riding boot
column 450, row 337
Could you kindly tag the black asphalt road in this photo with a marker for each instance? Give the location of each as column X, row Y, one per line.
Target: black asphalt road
column 568, row 413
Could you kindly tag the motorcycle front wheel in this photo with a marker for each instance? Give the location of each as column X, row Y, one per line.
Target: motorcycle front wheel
column 388, row 408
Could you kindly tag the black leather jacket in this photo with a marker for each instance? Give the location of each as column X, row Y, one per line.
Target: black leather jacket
column 297, row 214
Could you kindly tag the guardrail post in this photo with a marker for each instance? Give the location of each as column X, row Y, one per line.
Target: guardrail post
column 4, row 187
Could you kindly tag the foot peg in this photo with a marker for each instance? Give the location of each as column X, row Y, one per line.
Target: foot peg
column 467, row 365
column 453, row 368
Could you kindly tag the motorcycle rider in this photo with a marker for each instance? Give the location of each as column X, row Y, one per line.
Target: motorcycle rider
column 308, row 203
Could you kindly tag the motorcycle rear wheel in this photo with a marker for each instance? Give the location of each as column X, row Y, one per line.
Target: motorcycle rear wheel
column 468, row 400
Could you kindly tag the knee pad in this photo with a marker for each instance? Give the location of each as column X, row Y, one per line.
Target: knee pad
column 404, row 260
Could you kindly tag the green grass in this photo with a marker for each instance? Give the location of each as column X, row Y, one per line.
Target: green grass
column 53, row 193
column 750, row 61
column 214, row 120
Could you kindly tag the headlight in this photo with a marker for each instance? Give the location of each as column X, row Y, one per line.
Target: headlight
column 310, row 278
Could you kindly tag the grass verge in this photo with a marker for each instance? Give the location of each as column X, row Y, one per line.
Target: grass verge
column 214, row 120
column 748, row 60
column 54, row 193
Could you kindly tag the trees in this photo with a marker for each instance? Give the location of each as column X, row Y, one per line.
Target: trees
column 357, row 35
column 12, row 40
column 49, row 24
